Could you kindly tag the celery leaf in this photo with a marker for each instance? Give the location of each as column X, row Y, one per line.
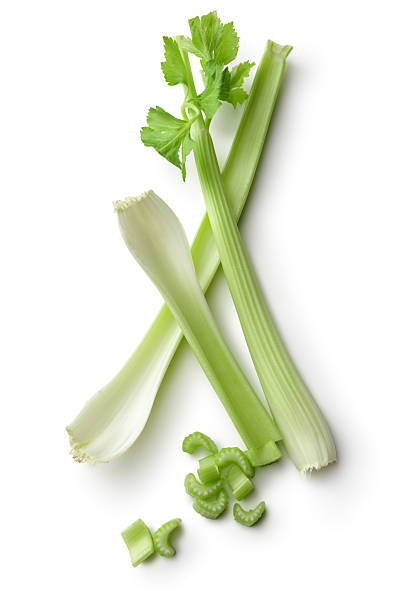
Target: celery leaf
column 240, row 72
column 227, row 46
column 232, row 91
column 211, row 40
column 206, row 32
column 209, row 99
column 168, row 134
column 173, row 67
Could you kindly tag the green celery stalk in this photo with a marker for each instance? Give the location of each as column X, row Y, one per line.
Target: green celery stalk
column 306, row 435
column 115, row 416
column 156, row 239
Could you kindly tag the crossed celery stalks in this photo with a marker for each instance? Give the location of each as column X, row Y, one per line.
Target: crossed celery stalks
column 115, row 416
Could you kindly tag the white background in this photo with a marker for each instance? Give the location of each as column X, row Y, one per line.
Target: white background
column 326, row 228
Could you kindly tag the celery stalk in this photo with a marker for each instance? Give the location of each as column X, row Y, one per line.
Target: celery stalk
column 156, row 239
column 114, row 417
column 306, row 435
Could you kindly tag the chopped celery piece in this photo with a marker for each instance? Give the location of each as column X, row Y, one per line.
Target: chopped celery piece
column 205, row 513
column 208, row 470
column 212, row 509
column 248, row 517
column 156, row 239
column 240, row 484
column 139, row 541
column 196, row 489
column 114, row 417
column 235, row 455
column 161, row 538
column 198, row 440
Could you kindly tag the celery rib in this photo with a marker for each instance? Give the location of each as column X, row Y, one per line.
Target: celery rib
column 114, row 417
column 306, row 435
column 158, row 242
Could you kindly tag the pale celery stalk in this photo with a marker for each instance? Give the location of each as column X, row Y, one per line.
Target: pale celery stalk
column 306, row 435
column 115, row 416
column 156, row 239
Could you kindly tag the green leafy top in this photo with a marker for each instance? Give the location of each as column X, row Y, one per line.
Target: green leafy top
column 173, row 67
column 211, row 40
column 216, row 45
column 168, row 135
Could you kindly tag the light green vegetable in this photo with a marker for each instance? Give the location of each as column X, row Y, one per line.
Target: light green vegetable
column 306, row 434
column 234, row 455
column 208, row 470
column 139, row 541
column 213, row 508
column 198, row 440
column 267, row 454
column 240, row 484
column 248, row 517
column 197, row 489
column 157, row 240
column 161, row 538
column 114, row 417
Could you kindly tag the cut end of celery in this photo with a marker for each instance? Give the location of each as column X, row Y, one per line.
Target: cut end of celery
column 268, row 453
column 77, row 451
column 121, row 205
column 311, row 446
column 315, row 467
column 281, row 50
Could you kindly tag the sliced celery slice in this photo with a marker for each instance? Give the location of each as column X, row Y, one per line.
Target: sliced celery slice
column 248, row 517
column 240, row 484
column 234, row 455
column 161, row 538
column 139, row 541
column 208, row 470
column 198, row 440
column 212, row 509
column 196, row 489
